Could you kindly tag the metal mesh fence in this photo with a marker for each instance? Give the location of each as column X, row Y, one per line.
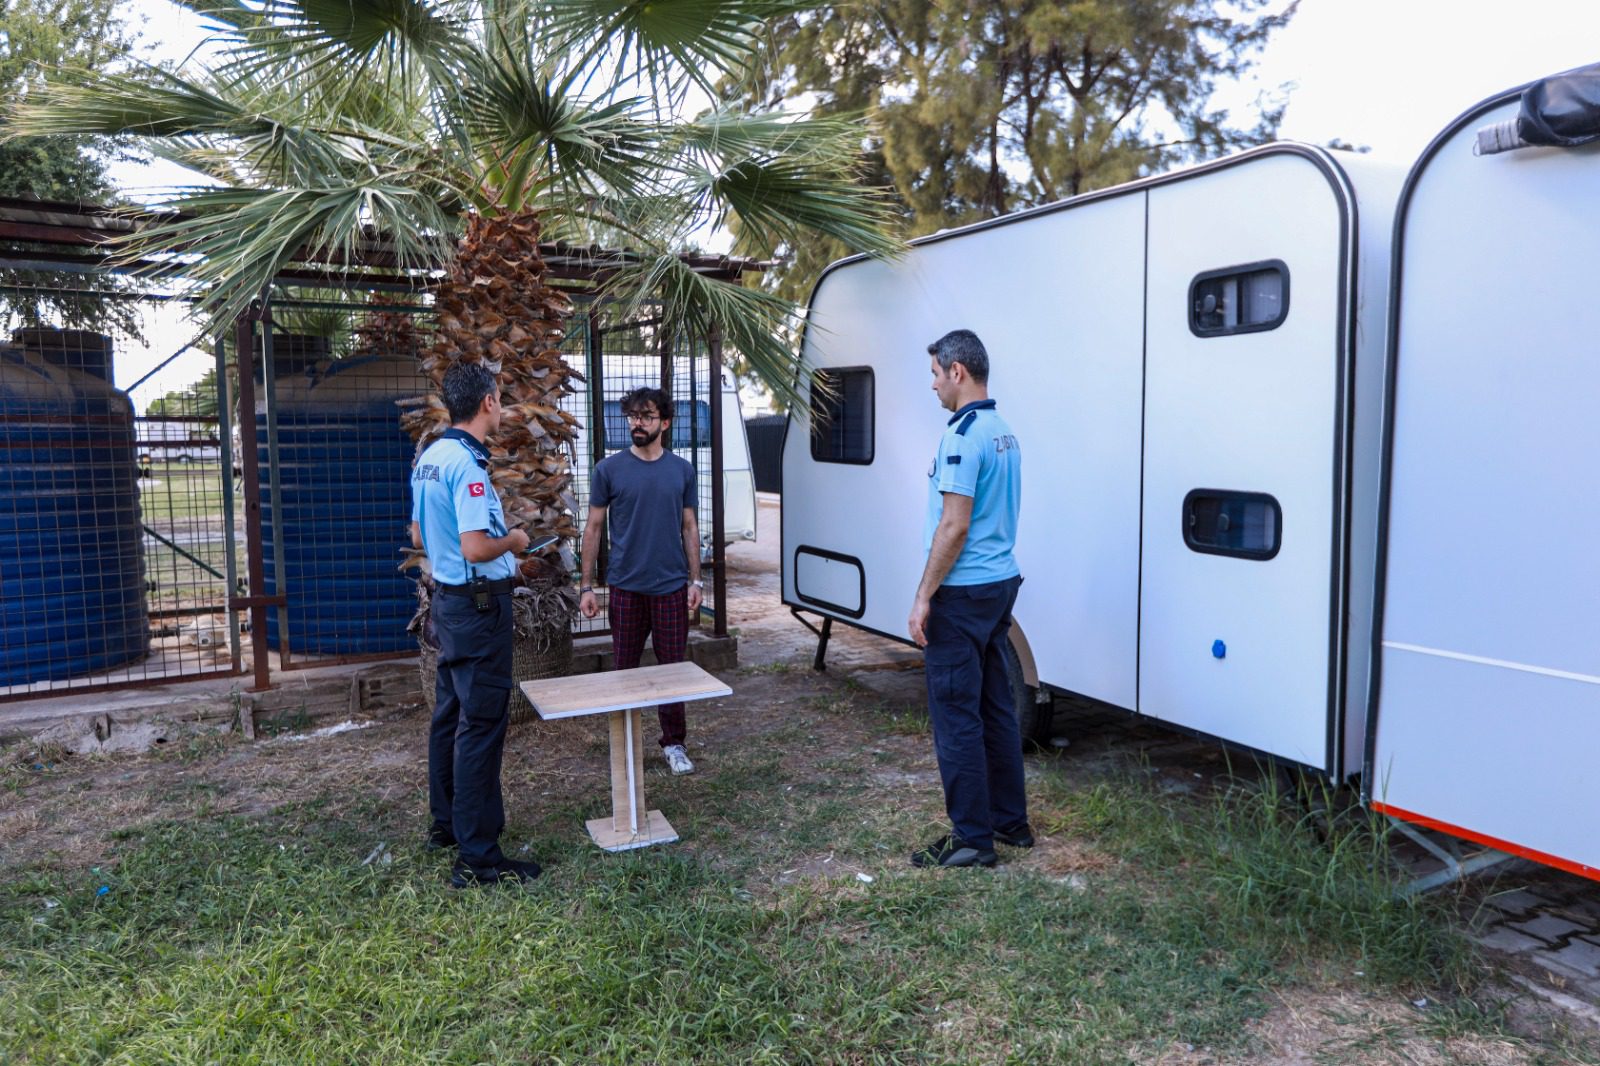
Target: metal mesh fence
column 625, row 355
column 149, row 497
column 117, row 534
column 332, row 471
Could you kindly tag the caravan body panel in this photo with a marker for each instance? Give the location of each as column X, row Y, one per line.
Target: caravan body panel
column 1127, row 416
column 1057, row 301
column 1487, row 704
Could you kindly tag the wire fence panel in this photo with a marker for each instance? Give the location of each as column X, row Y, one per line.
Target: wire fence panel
column 130, row 461
column 116, row 538
column 334, row 484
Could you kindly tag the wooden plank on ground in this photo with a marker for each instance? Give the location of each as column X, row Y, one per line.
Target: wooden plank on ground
column 620, row 690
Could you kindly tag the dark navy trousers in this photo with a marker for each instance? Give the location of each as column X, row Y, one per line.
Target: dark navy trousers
column 975, row 731
column 468, row 735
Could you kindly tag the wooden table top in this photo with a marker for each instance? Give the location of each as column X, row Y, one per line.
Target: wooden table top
column 621, row 690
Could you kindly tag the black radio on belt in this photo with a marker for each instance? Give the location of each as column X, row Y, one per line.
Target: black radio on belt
column 480, row 592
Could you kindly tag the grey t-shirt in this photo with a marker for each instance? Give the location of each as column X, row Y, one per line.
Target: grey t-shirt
column 644, row 504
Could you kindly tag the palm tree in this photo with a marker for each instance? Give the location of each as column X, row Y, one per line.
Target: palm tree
column 464, row 132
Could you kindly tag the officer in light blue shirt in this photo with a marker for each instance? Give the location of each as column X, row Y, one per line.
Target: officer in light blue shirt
column 457, row 520
column 962, row 612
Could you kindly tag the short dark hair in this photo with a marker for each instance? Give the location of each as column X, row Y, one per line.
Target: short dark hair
column 463, row 388
column 962, row 346
column 634, row 399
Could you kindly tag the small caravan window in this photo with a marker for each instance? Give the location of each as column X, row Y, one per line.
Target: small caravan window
column 1242, row 299
column 841, row 415
column 1248, row 525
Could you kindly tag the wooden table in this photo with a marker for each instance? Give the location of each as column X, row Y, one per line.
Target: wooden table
column 620, row 694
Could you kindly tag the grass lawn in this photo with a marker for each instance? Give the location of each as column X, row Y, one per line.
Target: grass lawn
column 180, row 490
column 270, row 902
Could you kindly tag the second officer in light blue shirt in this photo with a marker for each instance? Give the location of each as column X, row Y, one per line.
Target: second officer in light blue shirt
column 962, row 612
column 457, row 520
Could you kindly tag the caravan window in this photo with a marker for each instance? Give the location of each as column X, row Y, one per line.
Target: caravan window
column 691, row 426
column 1248, row 525
column 841, row 407
column 1242, row 299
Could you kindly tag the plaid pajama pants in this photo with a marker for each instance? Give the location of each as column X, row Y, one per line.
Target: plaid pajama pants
column 635, row 616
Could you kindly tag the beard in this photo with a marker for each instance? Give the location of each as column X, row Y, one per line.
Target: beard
column 643, row 439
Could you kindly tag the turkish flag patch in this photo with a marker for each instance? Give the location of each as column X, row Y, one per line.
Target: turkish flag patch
column 475, row 489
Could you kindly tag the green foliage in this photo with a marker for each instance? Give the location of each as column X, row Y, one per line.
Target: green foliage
column 331, row 120
column 988, row 107
column 37, row 36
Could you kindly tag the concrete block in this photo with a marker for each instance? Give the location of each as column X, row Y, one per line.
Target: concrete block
column 1509, row 941
column 1517, row 902
column 1546, row 927
column 1579, row 956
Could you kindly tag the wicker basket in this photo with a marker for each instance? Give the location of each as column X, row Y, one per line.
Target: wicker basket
column 528, row 663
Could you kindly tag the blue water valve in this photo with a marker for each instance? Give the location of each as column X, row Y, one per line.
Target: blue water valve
column 1219, row 650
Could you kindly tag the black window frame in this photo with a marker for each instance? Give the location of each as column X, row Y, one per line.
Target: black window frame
column 872, row 430
column 1244, row 268
column 1233, row 553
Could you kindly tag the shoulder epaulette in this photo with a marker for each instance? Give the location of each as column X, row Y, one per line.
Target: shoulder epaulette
column 966, row 423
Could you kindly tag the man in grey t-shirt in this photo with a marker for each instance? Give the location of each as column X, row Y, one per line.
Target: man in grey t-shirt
column 650, row 496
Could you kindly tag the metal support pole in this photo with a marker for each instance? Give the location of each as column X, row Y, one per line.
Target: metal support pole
column 244, row 343
column 230, row 550
column 820, row 663
column 280, row 572
column 594, row 344
column 718, row 552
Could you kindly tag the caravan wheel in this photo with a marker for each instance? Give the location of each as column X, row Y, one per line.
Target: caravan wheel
column 1034, row 719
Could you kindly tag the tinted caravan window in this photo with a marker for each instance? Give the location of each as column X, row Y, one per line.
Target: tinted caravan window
column 1245, row 299
column 841, row 415
column 691, row 425
column 1248, row 525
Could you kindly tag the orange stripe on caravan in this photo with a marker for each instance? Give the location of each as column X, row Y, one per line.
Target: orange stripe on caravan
column 1494, row 842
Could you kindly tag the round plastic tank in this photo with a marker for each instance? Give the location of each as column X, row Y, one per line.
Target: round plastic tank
column 343, row 469
column 71, row 566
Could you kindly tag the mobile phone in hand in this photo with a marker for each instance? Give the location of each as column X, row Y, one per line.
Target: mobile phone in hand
column 540, row 543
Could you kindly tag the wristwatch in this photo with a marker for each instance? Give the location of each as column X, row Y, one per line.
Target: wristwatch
column 698, row 584
column 586, row 588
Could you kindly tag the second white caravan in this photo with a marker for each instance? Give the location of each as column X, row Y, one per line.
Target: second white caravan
column 1193, row 366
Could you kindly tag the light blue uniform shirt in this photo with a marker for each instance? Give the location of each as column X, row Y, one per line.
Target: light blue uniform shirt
column 978, row 457
column 451, row 494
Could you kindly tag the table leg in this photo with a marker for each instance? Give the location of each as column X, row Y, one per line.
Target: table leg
column 631, row 824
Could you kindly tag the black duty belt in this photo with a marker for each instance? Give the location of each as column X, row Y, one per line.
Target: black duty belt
column 501, row 587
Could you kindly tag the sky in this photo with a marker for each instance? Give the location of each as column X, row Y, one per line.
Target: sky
column 1386, row 74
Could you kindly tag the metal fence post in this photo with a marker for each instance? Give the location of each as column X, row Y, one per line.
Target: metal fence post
column 230, row 550
column 244, row 342
column 718, row 552
column 269, row 380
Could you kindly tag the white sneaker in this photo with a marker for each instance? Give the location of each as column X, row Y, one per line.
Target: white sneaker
column 678, row 759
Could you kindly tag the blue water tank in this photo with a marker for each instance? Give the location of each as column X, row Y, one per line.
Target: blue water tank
column 71, row 564
column 343, row 468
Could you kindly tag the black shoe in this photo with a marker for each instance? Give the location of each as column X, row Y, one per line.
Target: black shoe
column 509, row 871
column 1020, row 837
column 953, row 851
column 440, row 839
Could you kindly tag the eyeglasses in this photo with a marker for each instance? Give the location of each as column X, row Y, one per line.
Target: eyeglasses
column 643, row 418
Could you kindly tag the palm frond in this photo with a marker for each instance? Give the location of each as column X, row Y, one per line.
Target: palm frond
column 754, row 322
column 665, row 43
column 549, row 139
column 235, row 241
column 352, row 41
column 159, row 104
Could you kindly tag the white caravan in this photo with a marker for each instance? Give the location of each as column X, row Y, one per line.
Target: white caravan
column 1486, row 692
column 1193, row 366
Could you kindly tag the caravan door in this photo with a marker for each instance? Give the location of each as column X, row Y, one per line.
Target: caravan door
column 1246, row 376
